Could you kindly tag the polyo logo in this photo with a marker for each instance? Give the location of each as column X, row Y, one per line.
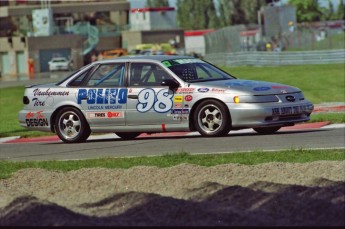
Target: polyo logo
column 102, row 96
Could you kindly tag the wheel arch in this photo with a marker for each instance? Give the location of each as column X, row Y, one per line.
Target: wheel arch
column 193, row 109
column 53, row 116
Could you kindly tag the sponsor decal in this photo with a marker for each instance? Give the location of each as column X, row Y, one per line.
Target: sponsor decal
column 115, row 114
column 39, row 120
column 104, row 115
column 179, row 118
column 186, row 90
column 180, row 111
column 48, row 92
column 279, row 87
column 37, row 102
column 108, row 107
column 188, row 98
column 161, row 101
column 30, row 115
column 188, row 61
column 178, row 99
column 237, row 83
column 261, row 88
column 216, row 90
column 283, row 91
column 203, row 90
column 178, row 105
column 102, row 96
column 167, row 63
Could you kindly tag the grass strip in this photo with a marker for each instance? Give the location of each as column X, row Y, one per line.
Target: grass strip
column 7, row 168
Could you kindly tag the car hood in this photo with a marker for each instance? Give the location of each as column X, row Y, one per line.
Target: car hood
column 248, row 86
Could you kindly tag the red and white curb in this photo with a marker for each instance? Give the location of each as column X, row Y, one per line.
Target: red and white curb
column 305, row 126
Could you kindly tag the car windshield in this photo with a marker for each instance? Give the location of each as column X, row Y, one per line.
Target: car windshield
column 59, row 60
column 195, row 70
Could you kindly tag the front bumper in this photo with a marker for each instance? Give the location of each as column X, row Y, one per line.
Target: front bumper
column 252, row 115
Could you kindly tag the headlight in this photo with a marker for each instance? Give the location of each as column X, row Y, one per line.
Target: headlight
column 256, row 99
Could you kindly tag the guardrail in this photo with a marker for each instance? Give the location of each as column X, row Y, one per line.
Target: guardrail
column 276, row 58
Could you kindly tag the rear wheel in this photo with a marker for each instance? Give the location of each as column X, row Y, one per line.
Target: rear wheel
column 267, row 130
column 128, row 136
column 71, row 126
column 212, row 118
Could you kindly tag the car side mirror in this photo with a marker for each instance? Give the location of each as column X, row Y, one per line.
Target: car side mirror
column 171, row 83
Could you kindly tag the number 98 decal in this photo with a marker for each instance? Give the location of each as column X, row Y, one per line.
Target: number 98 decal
column 160, row 102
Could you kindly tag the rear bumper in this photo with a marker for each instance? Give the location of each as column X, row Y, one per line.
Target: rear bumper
column 35, row 120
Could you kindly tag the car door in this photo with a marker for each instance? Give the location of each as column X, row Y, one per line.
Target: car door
column 103, row 97
column 148, row 101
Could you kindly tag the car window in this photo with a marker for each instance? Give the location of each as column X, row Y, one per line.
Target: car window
column 195, row 70
column 107, row 75
column 146, row 74
column 77, row 81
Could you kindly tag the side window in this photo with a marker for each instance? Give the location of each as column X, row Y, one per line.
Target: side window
column 107, row 75
column 145, row 74
column 77, row 81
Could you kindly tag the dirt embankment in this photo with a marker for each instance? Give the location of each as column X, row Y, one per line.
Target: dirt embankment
column 271, row 194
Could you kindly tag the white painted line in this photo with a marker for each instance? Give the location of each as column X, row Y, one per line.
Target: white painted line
column 334, row 126
column 3, row 140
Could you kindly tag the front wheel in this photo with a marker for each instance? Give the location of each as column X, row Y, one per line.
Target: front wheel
column 212, row 119
column 71, row 126
column 128, row 136
column 267, row 130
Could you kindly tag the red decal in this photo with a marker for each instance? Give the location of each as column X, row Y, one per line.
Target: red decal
column 30, row 115
column 163, row 127
column 114, row 114
column 188, row 98
column 39, row 115
column 279, row 87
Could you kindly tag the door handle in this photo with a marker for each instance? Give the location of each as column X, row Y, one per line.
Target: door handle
column 132, row 96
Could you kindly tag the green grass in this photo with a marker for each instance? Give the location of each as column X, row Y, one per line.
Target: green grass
column 320, row 83
column 253, row 158
column 333, row 117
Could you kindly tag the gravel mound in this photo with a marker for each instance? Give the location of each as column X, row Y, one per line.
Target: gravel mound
column 270, row 194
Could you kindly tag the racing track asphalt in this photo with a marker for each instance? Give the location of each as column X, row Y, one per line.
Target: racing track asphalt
column 17, row 139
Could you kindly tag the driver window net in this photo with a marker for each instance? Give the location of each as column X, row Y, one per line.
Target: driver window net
column 188, row 74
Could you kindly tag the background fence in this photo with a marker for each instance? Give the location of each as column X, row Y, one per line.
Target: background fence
column 264, row 58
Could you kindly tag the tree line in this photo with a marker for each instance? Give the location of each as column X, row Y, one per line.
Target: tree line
column 206, row 14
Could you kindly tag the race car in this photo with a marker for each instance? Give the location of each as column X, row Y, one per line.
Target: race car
column 58, row 63
column 162, row 93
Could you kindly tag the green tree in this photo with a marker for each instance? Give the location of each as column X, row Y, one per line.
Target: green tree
column 233, row 12
column 157, row 3
column 340, row 15
column 307, row 10
column 197, row 14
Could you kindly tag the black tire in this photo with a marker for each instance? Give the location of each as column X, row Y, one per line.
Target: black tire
column 267, row 130
column 128, row 135
column 205, row 115
column 71, row 125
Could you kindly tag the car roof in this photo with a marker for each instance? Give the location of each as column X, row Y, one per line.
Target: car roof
column 159, row 58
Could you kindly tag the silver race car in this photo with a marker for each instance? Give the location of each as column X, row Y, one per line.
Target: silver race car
column 150, row 94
